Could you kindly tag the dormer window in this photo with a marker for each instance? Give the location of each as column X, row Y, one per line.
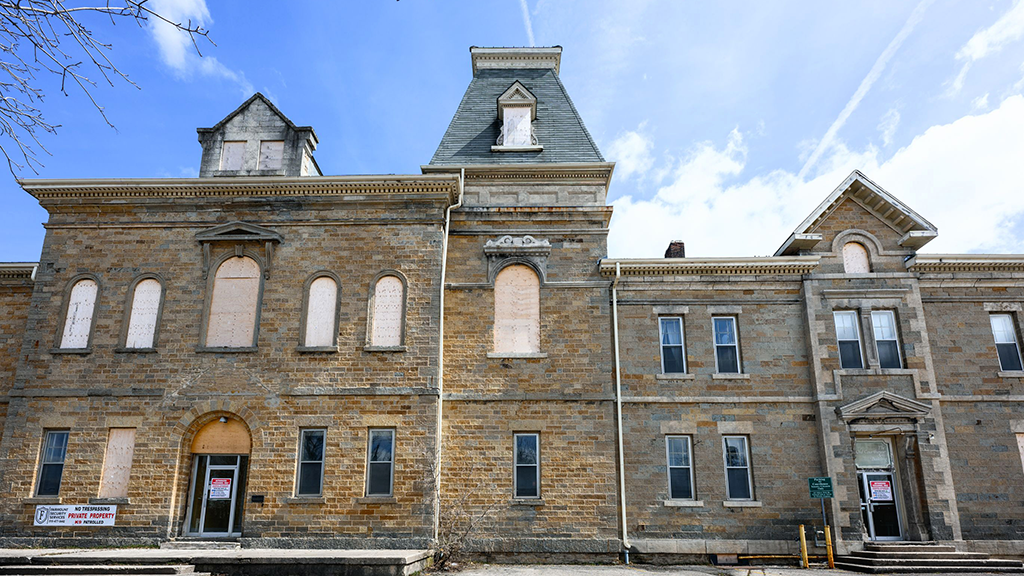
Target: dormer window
column 517, row 109
column 232, row 155
column 271, row 154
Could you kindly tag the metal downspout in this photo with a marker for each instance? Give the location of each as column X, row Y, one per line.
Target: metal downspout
column 618, row 409
column 440, row 355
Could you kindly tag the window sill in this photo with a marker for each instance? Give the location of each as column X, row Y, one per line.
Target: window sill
column 384, row 348
column 377, row 500
column 120, row 350
column 678, row 376
column 305, row 500
column 81, row 351
column 42, row 500
column 531, row 148
column 121, row 501
column 741, row 503
column 315, row 349
column 226, row 350
column 514, row 355
column 1011, row 374
column 730, row 376
column 527, row 502
column 684, row 503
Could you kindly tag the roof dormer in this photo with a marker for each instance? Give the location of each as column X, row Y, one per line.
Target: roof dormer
column 517, row 109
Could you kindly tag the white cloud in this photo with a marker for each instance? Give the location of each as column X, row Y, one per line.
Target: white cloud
column 980, row 103
column 1009, row 28
column 526, row 21
column 631, row 153
column 176, row 48
column 865, row 85
column 887, row 126
column 969, row 162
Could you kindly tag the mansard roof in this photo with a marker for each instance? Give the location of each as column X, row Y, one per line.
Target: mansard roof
column 887, row 208
column 474, row 128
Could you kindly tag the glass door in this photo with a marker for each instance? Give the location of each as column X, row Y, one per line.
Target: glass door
column 215, row 502
column 876, row 482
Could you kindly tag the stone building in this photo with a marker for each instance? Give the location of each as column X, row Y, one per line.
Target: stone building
column 268, row 354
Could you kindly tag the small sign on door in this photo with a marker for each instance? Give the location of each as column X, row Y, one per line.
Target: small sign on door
column 220, row 488
column 881, row 490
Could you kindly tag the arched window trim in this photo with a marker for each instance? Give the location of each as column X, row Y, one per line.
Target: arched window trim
column 59, row 334
column 208, row 302
column 512, row 261
column 130, row 302
column 369, row 347
column 305, row 312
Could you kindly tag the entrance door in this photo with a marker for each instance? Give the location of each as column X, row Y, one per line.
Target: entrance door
column 876, row 481
column 218, row 490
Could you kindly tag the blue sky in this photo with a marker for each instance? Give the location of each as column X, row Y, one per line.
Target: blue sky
column 729, row 122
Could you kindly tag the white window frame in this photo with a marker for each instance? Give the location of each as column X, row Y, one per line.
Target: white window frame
column 856, row 326
column 662, row 345
column 1013, row 332
column 322, row 461
column 688, row 442
column 391, row 463
column 44, row 462
column 516, row 465
column 895, row 334
column 725, row 461
column 736, row 339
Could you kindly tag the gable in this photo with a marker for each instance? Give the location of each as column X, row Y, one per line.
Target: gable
column 882, row 406
column 238, row 232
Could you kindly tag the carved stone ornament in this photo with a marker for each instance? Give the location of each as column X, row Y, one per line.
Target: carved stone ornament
column 517, row 249
column 883, row 407
column 240, row 234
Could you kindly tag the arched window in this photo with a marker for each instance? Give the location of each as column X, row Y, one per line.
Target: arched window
column 321, row 313
column 145, row 312
column 79, row 314
column 517, row 310
column 388, row 311
column 855, row 258
column 234, row 304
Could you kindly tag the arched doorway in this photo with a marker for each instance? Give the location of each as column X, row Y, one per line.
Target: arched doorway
column 220, row 462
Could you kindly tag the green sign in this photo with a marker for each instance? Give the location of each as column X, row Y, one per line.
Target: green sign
column 820, row 487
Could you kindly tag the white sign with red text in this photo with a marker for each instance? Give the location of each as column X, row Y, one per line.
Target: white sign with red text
column 220, row 488
column 881, row 490
column 75, row 515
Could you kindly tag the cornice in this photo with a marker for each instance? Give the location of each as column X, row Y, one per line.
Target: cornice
column 539, row 172
column 710, row 266
column 504, row 58
column 55, row 191
column 948, row 263
column 18, row 270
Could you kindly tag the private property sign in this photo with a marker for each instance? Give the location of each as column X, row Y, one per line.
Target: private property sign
column 75, row 515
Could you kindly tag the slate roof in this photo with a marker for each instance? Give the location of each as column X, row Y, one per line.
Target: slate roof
column 474, row 129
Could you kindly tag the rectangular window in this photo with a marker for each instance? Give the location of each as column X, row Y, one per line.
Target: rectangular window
column 527, row 466
column 883, row 324
column 271, row 154
column 51, row 469
column 117, row 463
column 848, row 335
column 232, row 156
column 738, row 484
column 727, row 350
column 1006, row 342
column 680, row 468
column 311, row 463
column 673, row 355
column 381, row 463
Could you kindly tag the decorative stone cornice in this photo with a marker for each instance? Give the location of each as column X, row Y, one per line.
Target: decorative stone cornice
column 948, row 263
column 710, row 266
column 18, row 270
column 883, row 405
column 120, row 189
column 517, row 246
column 505, row 58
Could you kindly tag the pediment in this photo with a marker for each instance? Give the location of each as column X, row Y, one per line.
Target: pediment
column 517, row 95
column 239, row 232
column 883, row 405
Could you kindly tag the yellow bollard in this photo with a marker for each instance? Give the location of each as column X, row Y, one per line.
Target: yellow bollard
column 828, row 546
column 803, row 548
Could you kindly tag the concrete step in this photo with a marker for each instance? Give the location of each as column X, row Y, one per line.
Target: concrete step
column 941, row 555
column 97, row 569
column 190, row 544
column 908, row 547
column 932, row 562
column 925, row 569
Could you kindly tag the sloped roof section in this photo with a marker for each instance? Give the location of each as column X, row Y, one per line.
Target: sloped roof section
column 474, row 129
column 246, row 104
column 915, row 230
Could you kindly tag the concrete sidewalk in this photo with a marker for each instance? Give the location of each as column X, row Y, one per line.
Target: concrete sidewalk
column 642, row 569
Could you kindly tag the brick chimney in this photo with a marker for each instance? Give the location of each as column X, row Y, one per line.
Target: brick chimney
column 676, row 249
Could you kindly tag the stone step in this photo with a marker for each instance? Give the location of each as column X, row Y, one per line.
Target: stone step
column 925, row 569
column 929, row 554
column 913, row 547
column 932, row 562
column 97, row 569
column 189, row 544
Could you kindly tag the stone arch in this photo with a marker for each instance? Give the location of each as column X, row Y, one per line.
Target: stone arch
column 867, row 239
column 512, row 261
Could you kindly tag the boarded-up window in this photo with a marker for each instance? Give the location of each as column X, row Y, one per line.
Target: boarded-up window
column 232, row 155
column 145, row 310
column 271, row 154
column 855, row 258
column 517, row 310
column 388, row 301
column 516, row 127
column 78, row 320
column 117, row 464
column 321, row 304
column 236, row 290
